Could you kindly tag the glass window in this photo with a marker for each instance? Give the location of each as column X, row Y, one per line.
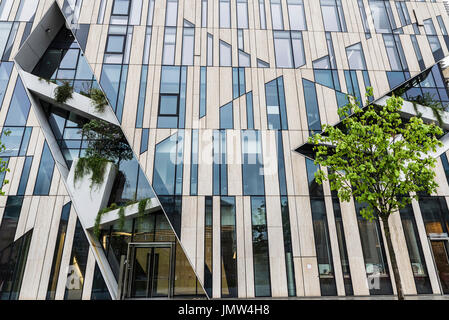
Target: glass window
column 262, row 15
column 116, row 44
column 203, row 91
column 225, row 13
column 333, row 17
column 210, row 50
column 395, row 52
column 356, row 58
column 253, row 178
column 242, row 14
column 194, row 163
column 188, row 45
column 289, row 49
column 275, row 100
column 249, row 110
column 208, row 247
column 167, row 176
column 220, row 169
column 12, row 139
column 228, row 239
column 10, row 221
column 45, row 173
column 403, row 12
column 261, row 257
column 59, row 248
column 227, row 116
column 77, row 264
column 19, row 107
column 225, row 54
column 171, row 17
column 168, row 56
column 27, row 10
column 121, row 7
column 5, row 9
column 296, row 15
column 204, row 13
column 382, row 16
column 276, row 15
column 313, row 114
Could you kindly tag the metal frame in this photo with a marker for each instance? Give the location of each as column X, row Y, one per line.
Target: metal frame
column 437, row 237
column 129, row 263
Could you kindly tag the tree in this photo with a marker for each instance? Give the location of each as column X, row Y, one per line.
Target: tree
column 379, row 159
column 106, row 141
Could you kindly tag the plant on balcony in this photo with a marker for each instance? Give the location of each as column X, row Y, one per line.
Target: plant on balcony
column 98, row 98
column 380, row 160
column 64, row 92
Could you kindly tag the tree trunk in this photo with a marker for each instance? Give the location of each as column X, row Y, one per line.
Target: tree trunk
column 394, row 264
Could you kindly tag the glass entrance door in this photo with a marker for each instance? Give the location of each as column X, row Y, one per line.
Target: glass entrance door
column 441, row 257
column 150, row 274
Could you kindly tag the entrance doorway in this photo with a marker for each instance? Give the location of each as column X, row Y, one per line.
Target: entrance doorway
column 150, row 271
column 440, row 252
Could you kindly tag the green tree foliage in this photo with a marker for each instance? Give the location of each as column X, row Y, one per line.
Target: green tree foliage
column 377, row 157
column 64, row 92
column 106, row 141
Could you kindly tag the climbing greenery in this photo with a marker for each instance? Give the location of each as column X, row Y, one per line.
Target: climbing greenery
column 95, row 166
column 427, row 100
column 380, row 159
column 4, row 164
column 121, row 214
column 98, row 98
column 64, row 92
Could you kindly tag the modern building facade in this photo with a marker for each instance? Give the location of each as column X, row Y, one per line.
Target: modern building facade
column 216, row 101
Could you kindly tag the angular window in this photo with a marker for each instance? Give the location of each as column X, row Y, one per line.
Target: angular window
column 45, row 173
column 261, row 257
column 12, row 139
column 443, row 30
column 382, row 16
column 146, row 50
column 150, row 15
column 296, row 15
column 27, row 10
column 225, row 13
column 276, row 15
column 19, row 107
column 210, row 50
column 227, row 116
column 188, row 43
column 5, row 75
column 356, row 58
column 288, row 249
column 10, row 220
column 59, row 248
column 225, row 54
column 144, row 141
column 252, row 166
column 313, row 114
column 168, row 160
column 25, row 175
column 113, row 81
column 142, row 96
column 418, row 53
column 5, row 9
column 275, row 100
column 228, row 238
column 364, row 18
column 77, row 264
column 333, row 16
column 395, row 52
column 403, row 13
column 432, row 37
column 242, row 14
